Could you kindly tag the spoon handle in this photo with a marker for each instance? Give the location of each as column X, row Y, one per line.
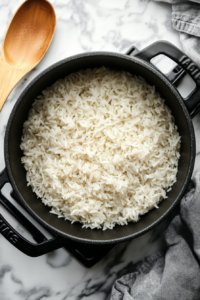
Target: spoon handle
column 9, row 77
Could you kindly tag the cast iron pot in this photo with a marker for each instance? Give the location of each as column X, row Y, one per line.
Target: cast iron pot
column 63, row 231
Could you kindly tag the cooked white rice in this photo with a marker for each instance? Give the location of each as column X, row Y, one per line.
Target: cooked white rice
column 100, row 147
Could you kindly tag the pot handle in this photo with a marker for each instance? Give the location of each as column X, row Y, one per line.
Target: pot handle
column 185, row 65
column 44, row 246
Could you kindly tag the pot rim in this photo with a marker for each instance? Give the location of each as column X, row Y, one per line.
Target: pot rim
column 190, row 129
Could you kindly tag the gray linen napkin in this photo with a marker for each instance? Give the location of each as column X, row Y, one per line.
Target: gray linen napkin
column 174, row 274
column 186, row 19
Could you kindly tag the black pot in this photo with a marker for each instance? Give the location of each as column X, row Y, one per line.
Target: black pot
column 136, row 63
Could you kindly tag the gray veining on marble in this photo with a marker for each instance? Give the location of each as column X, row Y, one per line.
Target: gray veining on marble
column 82, row 25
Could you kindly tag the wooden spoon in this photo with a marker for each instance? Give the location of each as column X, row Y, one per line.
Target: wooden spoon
column 27, row 39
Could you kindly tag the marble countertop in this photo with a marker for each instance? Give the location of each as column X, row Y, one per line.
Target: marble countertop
column 82, row 25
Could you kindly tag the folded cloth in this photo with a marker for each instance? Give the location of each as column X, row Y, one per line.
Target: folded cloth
column 174, row 274
column 186, row 19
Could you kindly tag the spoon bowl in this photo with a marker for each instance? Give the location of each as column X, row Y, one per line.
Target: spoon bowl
column 27, row 39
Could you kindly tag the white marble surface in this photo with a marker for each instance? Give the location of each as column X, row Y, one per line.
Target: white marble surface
column 82, row 25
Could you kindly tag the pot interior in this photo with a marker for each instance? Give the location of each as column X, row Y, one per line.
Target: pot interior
column 17, row 172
